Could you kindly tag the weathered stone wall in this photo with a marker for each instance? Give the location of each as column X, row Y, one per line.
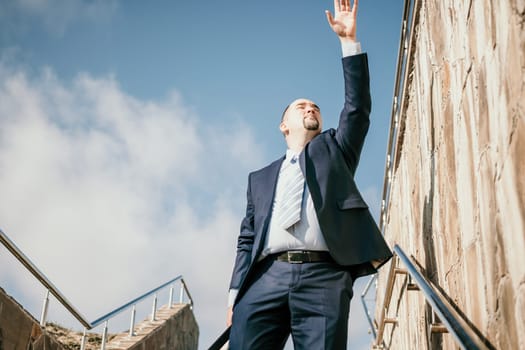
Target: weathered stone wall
column 457, row 201
column 19, row 330
column 173, row 328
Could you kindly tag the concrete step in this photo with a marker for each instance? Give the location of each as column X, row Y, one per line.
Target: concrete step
column 173, row 328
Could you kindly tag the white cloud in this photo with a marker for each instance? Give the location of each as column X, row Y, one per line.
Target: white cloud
column 111, row 195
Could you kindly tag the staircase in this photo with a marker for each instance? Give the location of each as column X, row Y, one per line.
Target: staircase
column 172, row 326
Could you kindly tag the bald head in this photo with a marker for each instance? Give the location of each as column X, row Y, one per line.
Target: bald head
column 301, row 121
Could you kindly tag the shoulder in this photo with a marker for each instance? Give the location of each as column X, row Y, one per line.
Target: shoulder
column 326, row 136
column 268, row 168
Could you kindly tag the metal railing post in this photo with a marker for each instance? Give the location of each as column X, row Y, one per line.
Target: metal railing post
column 44, row 310
column 190, row 299
column 104, row 336
column 39, row 275
column 83, row 341
column 52, row 289
column 170, row 301
column 154, row 311
column 132, row 323
column 367, row 311
column 181, row 296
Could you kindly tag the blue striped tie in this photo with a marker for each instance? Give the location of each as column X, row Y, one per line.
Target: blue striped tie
column 290, row 209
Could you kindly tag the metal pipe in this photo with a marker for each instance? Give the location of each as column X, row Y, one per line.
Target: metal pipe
column 367, row 312
column 187, row 292
column 438, row 328
column 52, row 289
column 24, row 260
column 118, row 310
column 43, row 316
column 170, row 300
column 154, row 310
column 83, row 340
column 448, row 315
column 132, row 322
column 392, row 135
column 386, row 302
column 104, row 336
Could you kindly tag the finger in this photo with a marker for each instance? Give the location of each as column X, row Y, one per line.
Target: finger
column 330, row 18
column 345, row 5
column 354, row 7
column 337, row 6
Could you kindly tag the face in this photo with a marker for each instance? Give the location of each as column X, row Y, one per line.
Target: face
column 302, row 115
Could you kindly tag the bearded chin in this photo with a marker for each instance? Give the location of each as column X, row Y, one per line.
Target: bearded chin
column 311, row 124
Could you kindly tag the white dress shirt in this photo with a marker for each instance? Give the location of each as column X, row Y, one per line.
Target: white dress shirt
column 305, row 234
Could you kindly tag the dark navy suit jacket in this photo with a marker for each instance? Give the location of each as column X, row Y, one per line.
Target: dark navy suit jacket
column 329, row 162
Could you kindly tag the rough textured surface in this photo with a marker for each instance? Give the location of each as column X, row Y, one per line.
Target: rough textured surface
column 457, row 201
column 19, row 330
column 173, row 328
column 71, row 339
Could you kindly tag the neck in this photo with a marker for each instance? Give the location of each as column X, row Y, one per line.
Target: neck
column 297, row 144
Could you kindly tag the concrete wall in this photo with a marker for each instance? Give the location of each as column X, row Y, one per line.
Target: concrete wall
column 457, row 199
column 173, row 328
column 19, row 330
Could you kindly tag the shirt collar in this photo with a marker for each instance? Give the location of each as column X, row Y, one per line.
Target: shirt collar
column 290, row 154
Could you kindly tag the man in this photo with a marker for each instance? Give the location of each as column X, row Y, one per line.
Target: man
column 307, row 233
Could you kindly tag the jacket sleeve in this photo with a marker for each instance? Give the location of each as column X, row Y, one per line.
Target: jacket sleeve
column 244, row 242
column 354, row 119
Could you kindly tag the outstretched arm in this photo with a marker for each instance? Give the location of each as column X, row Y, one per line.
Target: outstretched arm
column 343, row 22
column 354, row 119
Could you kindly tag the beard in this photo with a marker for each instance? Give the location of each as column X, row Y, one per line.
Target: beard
column 311, row 124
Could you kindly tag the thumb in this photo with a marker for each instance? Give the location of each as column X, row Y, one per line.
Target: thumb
column 330, row 18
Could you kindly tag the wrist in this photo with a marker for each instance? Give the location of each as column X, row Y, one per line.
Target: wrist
column 347, row 40
column 350, row 48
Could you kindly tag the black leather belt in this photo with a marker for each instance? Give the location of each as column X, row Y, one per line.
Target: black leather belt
column 303, row 256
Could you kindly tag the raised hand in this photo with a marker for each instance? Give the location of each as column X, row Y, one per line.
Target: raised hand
column 343, row 23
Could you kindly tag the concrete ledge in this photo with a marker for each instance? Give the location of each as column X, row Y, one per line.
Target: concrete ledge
column 173, row 328
column 19, row 330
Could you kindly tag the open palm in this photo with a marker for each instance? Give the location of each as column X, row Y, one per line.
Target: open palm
column 343, row 23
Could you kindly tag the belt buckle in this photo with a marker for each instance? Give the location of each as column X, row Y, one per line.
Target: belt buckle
column 294, row 258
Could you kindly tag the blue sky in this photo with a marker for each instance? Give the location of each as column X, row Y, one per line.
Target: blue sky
column 128, row 128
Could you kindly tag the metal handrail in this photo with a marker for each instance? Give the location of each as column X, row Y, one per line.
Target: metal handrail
column 454, row 323
column 39, row 275
column 219, row 343
column 363, row 302
column 405, row 41
column 449, row 315
column 130, row 303
column 51, row 288
column 410, row 11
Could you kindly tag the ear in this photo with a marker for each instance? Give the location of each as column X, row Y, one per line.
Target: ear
column 284, row 128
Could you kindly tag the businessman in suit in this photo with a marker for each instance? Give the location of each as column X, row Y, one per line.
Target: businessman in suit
column 308, row 234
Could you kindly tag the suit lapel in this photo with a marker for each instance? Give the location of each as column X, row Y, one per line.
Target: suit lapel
column 266, row 183
column 302, row 161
